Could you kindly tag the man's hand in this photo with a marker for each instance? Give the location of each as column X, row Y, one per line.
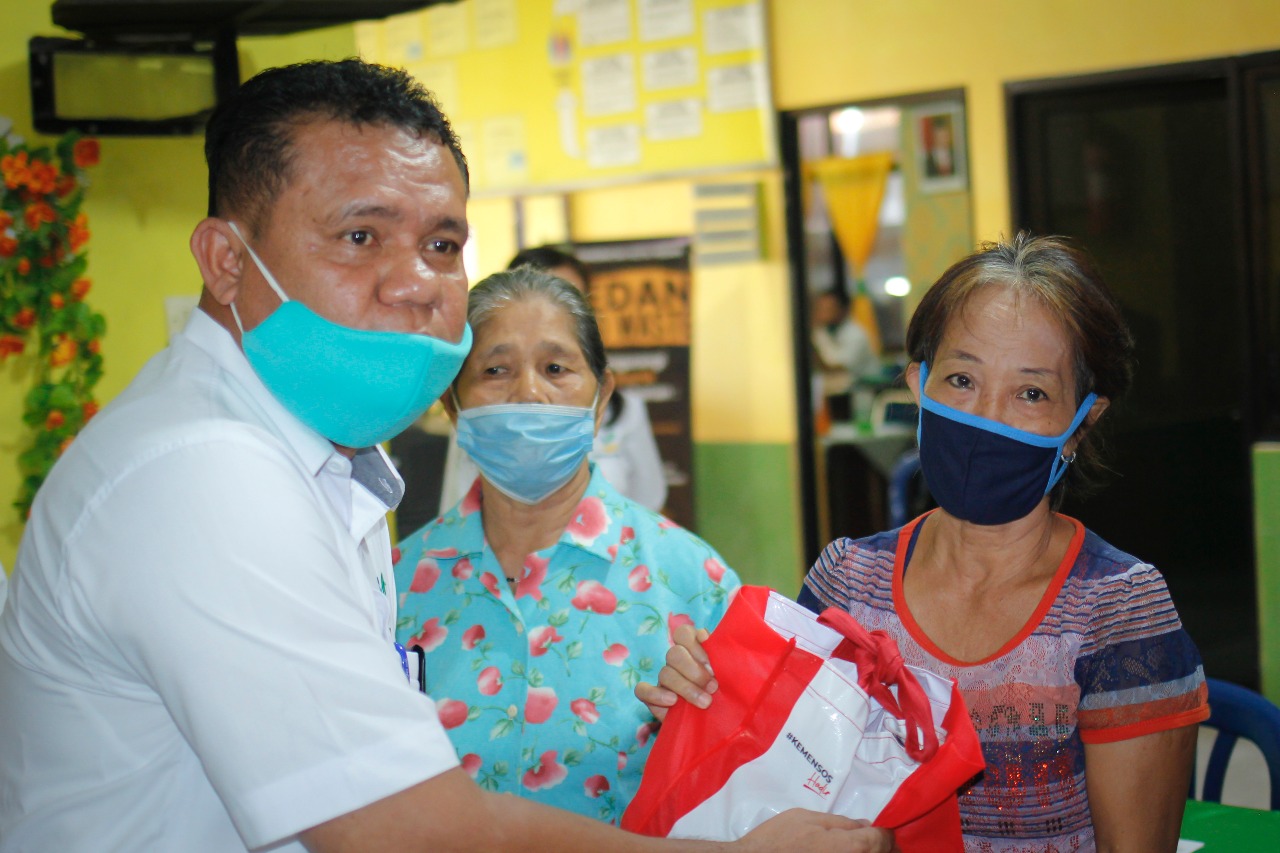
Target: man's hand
column 450, row 814
column 687, row 674
column 813, row 832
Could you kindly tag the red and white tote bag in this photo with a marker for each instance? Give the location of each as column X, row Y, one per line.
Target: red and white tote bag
column 813, row 712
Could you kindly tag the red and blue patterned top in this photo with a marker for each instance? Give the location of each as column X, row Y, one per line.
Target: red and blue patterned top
column 535, row 684
column 1103, row 658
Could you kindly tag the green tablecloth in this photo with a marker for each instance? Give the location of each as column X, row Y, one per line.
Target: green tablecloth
column 1229, row 828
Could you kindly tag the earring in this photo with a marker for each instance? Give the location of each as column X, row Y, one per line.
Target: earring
column 1068, row 459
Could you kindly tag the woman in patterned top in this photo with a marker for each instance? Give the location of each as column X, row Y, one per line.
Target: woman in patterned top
column 545, row 596
column 1082, row 684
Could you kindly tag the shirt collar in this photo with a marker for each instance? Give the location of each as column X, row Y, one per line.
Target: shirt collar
column 376, row 489
column 372, row 484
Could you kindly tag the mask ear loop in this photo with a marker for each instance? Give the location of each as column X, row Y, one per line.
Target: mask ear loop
column 595, row 401
column 1061, row 463
column 924, row 377
column 262, row 268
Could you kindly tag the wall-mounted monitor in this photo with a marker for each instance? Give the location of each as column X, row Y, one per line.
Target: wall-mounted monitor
column 111, row 89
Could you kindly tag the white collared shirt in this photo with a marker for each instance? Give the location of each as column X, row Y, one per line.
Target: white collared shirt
column 196, row 654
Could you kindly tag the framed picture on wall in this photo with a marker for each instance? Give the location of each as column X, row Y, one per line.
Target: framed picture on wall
column 938, row 134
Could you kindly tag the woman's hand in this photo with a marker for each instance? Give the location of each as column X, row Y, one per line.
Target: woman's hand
column 687, row 674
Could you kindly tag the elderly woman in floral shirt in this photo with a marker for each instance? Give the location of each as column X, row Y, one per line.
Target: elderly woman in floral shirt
column 545, row 596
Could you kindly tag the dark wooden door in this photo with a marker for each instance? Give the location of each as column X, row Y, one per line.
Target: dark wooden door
column 1148, row 171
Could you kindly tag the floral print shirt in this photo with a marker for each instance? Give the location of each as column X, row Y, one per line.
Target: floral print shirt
column 535, row 686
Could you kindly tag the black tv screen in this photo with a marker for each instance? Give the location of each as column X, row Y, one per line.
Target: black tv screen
column 112, row 89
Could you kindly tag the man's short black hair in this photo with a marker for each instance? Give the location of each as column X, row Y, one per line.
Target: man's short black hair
column 548, row 258
column 248, row 141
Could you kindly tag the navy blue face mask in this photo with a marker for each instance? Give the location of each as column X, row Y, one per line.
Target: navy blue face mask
column 983, row 471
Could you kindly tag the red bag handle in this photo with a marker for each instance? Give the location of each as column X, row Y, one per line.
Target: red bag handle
column 879, row 665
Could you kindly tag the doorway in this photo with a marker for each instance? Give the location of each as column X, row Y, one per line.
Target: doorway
column 1162, row 174
column 878, row 205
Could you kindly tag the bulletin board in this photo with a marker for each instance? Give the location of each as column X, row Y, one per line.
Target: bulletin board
column 558, row 94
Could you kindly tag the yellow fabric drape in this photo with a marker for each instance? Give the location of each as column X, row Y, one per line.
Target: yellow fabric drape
column 854, row 190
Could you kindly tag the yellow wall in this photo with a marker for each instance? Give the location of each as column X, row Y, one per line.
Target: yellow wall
column 146, row 195
column 742, row 384
column 833, row 51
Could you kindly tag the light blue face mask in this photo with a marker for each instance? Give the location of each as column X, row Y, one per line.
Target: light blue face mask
column 527, row 450
column 355, row 387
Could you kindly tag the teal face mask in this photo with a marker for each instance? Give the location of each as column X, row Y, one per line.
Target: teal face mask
column 527, row 450
column 355, row 387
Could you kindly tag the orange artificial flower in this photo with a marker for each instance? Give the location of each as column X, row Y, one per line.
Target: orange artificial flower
column 94, row 346
column 15, row 170
column 43, row 178
column 85, row 153
column 5, row 220
column 54, row 420
column 56, row 300
column 8, row 246
column 63, row 352
column 24, row 266
column 90, row 408
column 66, row 442
column 38, row 213
column 78, row 232
column 80, row 287
column 66, row 183
column 11, row 345
column 24, row 319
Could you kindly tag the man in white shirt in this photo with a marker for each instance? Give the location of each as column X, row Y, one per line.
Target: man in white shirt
column 197, row 650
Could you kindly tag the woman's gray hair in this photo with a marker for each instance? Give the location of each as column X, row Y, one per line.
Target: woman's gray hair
column 510, row 286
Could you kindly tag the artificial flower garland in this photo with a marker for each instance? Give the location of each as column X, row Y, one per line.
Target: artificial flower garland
column 43, row 316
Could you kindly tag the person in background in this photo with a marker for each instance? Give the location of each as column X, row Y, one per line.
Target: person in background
column 843, row 353
column 197, row 653
column 1084, row 688
column 624, row 448
column 545, row 595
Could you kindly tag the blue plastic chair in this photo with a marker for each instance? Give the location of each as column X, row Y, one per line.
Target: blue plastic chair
column 1238, row 712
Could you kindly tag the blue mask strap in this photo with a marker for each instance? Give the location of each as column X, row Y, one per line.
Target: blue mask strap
column 1061, row 462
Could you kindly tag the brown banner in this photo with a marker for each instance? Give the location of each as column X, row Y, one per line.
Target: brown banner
column 642, row 306
column 640, row 291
